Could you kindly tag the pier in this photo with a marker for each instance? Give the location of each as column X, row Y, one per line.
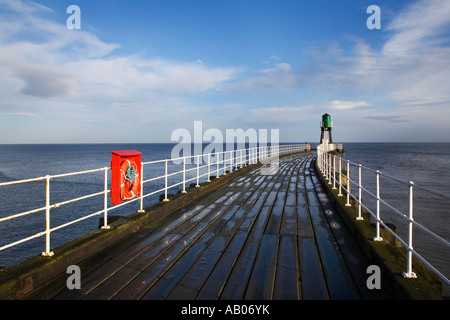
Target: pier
column 259, row 237
column 258, row 232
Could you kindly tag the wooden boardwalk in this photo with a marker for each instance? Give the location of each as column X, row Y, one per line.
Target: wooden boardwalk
column 260, row 237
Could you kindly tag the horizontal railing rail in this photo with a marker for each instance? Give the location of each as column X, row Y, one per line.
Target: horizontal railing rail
column 336, row 171
column 205, row 166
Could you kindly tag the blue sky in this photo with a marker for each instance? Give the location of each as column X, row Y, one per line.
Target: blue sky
column 138, row 70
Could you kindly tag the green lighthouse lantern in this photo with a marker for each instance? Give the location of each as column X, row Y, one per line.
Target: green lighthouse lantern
column 326, row 118
column 326, row 125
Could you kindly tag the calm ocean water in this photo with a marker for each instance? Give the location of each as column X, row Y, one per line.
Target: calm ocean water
column 424, row 163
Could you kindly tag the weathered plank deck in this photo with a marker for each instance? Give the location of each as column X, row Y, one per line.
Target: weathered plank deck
column 259, row 237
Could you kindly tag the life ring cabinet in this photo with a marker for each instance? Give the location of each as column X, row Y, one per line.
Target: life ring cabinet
column 125, row 175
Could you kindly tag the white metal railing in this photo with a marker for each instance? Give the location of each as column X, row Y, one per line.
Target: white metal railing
column 336, row 171
column 326, row 147
column 206, row 165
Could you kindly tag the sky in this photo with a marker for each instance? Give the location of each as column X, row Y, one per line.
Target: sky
column 136, row 71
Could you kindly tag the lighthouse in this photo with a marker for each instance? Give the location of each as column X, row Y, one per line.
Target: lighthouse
column 325, row 126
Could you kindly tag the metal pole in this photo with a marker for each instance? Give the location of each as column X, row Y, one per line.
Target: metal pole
column 359, row 194
column 47, row 252
column 198, row 171
column 378, row 237
column 165, row 183
column 141, row 210
column 409, row 273
column 319, row 157
column 348, row 185
column 241, row 160
column 184, row 175
column 217, row 163
column 209, row 171
column 340, row 176
column 105, row 202
column 329, row 168
column 334, row 173
column 231, row 160
column 224, row 163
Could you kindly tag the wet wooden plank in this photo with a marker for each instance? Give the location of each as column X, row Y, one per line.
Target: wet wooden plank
column 313, row 285
column 337, row 275
column 289, row 221
column 119, row 258
column 194, row 279
column 218, row 277
column 169, row 280
column 235, row 287
column 273, row 226
column 287, row 284
column 304, row 225
column 262, row 279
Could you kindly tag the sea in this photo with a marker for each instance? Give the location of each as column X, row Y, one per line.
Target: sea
column 426, row 164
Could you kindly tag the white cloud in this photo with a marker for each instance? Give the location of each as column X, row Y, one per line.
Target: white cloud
column 279, row 78
column 346, row 105
column 411, row 66
column 421, row 26
column 52, row 60
column 279, row 116
column 22, row 114
column 45, row 82
column 388, row 118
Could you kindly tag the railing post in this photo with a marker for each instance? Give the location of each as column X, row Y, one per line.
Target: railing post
column 231, row 160
column 334, row 173
column 241, row 160
column 209, row 171
column 165, row 183
column 409, row 273
column 348, row 184
column 47, row 252
column 340, row 176
column 378, row 237
column 184, row 176
column 224, row 163
column 359, row 217
column 217, row 164
column 319, row 157
column 198, row 171
column 141, row 210
column 105, row 202
column 329, row 168
column 324, row 163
